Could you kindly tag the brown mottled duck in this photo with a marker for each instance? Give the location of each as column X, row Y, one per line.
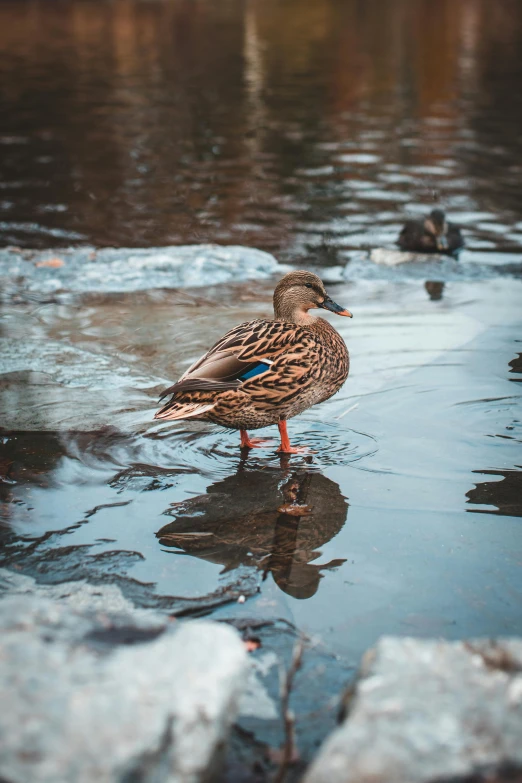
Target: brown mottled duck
column 266, row 371
column 432, row 235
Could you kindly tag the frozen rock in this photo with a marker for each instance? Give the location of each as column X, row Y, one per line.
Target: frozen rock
column 426, row 711
column 126, row 269
column 91, row 695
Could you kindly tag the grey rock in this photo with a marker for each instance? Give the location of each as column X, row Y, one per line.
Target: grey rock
column 89, row 694
column 426, row 711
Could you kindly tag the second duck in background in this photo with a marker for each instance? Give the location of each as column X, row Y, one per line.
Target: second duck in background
column 434, row 234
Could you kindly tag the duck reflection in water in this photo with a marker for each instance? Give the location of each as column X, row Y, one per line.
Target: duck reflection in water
column 267, row 518
column 434, row 289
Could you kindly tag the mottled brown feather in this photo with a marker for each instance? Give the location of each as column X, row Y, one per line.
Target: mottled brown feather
column 309, row 363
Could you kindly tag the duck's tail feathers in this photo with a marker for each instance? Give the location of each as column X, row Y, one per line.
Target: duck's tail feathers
column 183, row 410
column 200, row 384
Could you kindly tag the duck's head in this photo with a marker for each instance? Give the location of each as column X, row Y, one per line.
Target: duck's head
column 297, row 293
column 436, row 225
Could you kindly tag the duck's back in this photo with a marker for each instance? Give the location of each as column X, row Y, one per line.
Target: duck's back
column 414, row 238
column 454, row 237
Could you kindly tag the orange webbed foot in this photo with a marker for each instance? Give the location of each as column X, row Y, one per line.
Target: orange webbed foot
column 252, row 443
column 287, row 449
column 258, row 443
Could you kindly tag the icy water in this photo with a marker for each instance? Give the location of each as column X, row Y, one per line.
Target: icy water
column 310, row 131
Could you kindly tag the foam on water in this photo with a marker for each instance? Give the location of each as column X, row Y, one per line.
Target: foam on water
column 126, row 269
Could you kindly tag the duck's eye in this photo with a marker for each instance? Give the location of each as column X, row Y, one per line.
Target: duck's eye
column 308, row 285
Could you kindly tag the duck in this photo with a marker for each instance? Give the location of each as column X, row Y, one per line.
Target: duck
column 264, row 372
column 434, row 234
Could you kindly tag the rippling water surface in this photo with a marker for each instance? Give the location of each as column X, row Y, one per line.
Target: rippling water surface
column 308, row 130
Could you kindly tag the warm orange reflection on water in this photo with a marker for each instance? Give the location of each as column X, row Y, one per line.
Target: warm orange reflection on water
column 155, row 123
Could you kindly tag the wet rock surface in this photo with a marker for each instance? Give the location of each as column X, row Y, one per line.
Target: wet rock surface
column 93, row 689
column 426, row 711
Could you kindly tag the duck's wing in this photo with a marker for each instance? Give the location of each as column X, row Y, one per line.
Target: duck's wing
column 411, row 234
column 454, row 236
column 246, row 351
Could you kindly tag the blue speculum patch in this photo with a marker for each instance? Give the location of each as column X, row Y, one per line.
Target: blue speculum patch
column 259, row 368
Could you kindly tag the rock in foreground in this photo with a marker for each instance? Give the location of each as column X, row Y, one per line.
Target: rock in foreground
column 426, row 711
column 89, row 696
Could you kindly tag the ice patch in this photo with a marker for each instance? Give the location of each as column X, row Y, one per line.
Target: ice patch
column 36, row 228
column 69, row 366
column 388, row 264
column 125, row 269
column 395, row 257
column 359, row 157
column 255, row 700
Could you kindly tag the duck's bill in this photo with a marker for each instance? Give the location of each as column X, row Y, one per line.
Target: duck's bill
column 329, row 304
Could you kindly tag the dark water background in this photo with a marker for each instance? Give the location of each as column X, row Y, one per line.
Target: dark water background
column 297, row 127
column 311, row 130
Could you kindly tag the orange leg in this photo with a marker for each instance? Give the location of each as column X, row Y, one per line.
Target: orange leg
column 285, row 447
column 251, row 443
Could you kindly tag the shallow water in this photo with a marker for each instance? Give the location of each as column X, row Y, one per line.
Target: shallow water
column 310, row 133
column 413, row 484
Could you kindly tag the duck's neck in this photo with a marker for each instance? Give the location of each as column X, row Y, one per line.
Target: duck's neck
column 293, row 315
column 290, row 308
